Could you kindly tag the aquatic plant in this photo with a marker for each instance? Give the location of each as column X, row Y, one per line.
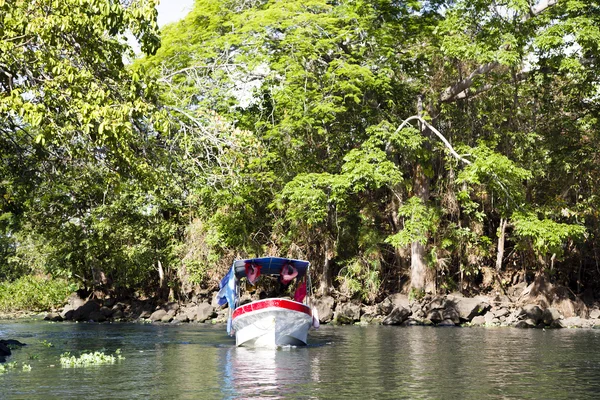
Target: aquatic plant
column 89, row 359
column 7, row 367
column 26, row 367
column 46, row 343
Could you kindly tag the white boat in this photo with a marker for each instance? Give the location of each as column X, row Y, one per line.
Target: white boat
column 269, row 322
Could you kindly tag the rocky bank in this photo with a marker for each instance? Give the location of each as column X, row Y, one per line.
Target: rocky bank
column 537, row 305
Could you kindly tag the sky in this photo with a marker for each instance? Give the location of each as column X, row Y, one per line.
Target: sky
column 173, row 10
column 168, row 11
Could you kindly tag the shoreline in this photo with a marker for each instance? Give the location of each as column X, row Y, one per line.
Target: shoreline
column 524, row 308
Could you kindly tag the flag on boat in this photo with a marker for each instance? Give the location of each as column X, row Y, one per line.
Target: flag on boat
column 227, row 293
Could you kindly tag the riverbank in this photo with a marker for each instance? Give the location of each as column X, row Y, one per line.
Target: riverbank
column 537, row 305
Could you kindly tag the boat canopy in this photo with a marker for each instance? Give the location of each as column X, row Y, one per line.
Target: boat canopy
column 269, row 266
column 251, row 268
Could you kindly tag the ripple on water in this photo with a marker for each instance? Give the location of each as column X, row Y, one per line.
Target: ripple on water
column 200, row 361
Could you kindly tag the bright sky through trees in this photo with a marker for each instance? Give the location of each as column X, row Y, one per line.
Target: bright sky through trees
column 173, row 10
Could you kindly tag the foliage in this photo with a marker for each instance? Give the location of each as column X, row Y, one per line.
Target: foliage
column 34, row 293
column 420, row 223
column 545, row 235
column 498, row 173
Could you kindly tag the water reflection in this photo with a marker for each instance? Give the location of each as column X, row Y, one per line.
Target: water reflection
column 267, row 373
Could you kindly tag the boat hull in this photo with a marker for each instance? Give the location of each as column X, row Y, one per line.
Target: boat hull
column 272, row 323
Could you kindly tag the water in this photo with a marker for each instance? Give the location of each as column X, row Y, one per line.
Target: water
column 201, row 362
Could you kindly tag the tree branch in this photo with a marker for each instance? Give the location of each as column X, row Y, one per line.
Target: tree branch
column 540, row 8
column 452, row 93
column 438, row 134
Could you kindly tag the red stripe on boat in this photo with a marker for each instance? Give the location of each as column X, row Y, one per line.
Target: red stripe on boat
column 278, row 303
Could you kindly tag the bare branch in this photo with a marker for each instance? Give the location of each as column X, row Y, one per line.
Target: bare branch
column 451, row 92
column 195, row 67
column 541, row 7
column 438, row 134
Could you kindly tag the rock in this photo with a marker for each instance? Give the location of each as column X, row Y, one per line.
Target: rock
column 435, row 316
column 118, row 314
column 489, row 318
column 139, row 309
column 96, row 316
column 531, row 311
column 437, row 303
column 245, row 299
column 502, row 300
column 73, row 303
column 11, row 343
column 446, row 322
column 557, row 324
column 55, row 317
column 222, row 316
column 385, row 307
column 171, row 307
column 415, row 308
column 188, row 311
column 469, row 307
column 501, row 312
column 478, row 320
column 110, row 302
column 4, row 350
column 576, row 322
column 203, row 312
column 397, row 316
column 550, row 315
column 181, row 317
column 167, row 318
column 158, row 315
column 451, row 314
column 516, row 290
column 83, row 313
column 107, row 312
column 511, row 319
column 399, row 300
column 347, row 313
column 525, row 324
column 595, row 313
column 370, row 316
column 412, row 322
column 324, row 307
column 215, row 301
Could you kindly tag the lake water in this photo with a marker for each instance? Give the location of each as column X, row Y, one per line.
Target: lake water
column 201, row 362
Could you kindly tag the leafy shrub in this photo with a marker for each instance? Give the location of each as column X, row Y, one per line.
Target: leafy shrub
column 35, row 293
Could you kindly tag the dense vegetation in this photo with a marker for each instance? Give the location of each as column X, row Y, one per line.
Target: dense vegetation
column 434, row 145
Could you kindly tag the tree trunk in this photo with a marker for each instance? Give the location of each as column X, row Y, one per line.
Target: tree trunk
column 325, row 281
column 418, row 266
column 328, row 253
column 162, row 282
column 501, row 237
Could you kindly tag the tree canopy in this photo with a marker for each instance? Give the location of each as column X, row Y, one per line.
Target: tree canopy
column 395, row 145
